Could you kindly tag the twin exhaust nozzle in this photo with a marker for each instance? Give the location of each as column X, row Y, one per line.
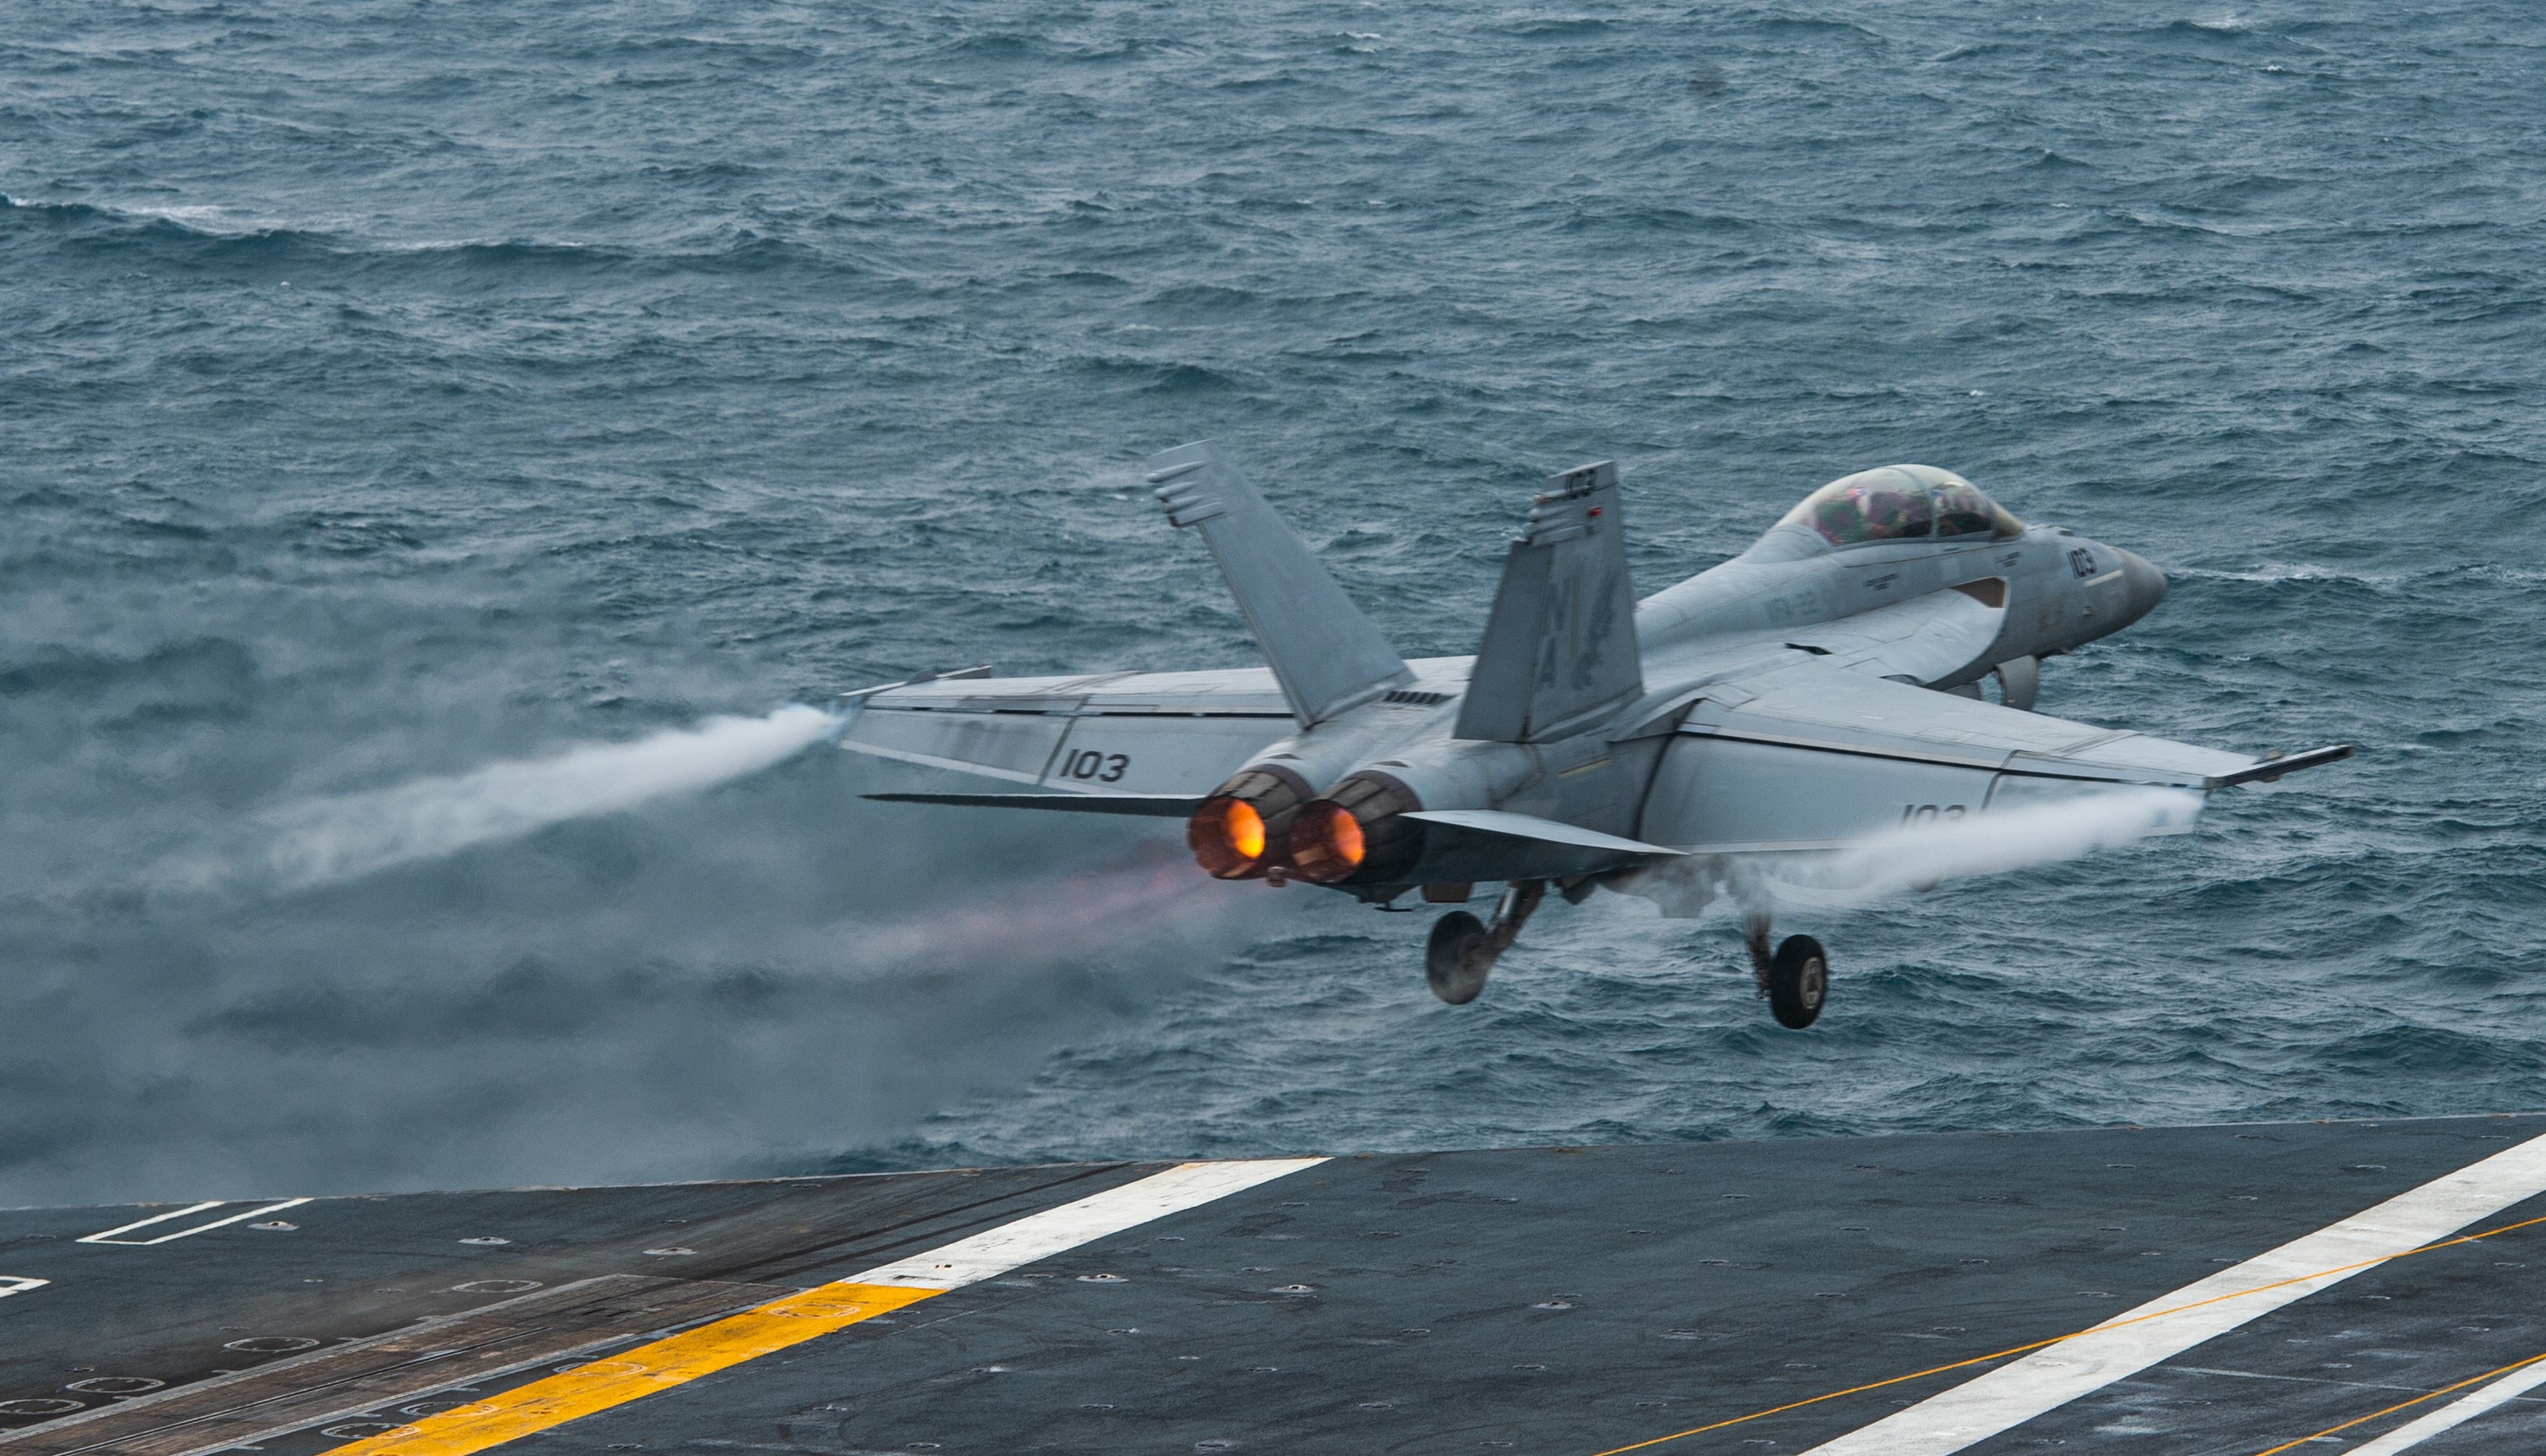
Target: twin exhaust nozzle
column 1267, row 823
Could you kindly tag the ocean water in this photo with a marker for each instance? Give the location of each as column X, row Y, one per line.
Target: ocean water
column 395, row 393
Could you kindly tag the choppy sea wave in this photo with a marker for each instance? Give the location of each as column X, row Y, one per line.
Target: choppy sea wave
column 389, row 396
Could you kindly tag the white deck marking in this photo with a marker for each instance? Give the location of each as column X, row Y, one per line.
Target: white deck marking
column 623, row 1375
column 109, row 1236
column 18, row 1284
column 2464, row 1408
column 2169, row 1324
column 1058, row 1229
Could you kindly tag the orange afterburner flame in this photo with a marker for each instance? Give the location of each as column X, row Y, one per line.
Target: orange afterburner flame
column 1227, row 837
column 1327, row 844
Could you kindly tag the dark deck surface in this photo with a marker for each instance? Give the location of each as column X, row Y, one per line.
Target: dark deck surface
column 1546, row 1300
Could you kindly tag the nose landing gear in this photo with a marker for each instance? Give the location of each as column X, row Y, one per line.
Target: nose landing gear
column 1463, row 950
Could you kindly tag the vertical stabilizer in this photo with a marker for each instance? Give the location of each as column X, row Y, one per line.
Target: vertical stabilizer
column 1325, row 652
column 1559, row 647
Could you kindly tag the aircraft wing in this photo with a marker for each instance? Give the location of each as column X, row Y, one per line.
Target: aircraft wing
column 1810, row 755
column 1137, row 739
column 1927, row 638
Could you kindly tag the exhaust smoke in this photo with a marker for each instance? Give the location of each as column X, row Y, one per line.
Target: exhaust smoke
column 1919, row 856
column 326, row 840
column 1144, row 892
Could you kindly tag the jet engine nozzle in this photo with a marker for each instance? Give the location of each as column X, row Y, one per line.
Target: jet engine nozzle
column 1227, row 838
column 1239, row 832
column 1328, row 844
column 1357, row 833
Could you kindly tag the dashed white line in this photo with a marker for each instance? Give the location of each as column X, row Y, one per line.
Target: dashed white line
column 109, row 1236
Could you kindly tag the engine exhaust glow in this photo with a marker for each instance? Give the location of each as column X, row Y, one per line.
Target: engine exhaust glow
column 1227, row 837
column 1327, row 844
column 1239, row 832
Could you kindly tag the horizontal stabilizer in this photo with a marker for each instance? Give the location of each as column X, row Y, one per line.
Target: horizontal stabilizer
column 1559, row 647
column 2269, row 771
column 1155, row 806
column 860, row 694
column 1325, row 652
column 1544, row 831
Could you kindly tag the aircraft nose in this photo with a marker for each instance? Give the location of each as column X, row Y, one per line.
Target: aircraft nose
column 2143, row 585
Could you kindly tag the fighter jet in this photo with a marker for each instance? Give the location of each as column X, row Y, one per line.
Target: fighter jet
column 1816, row 692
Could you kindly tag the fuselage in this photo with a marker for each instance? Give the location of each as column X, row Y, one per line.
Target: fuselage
column 2058, row 592
column 1328, row 804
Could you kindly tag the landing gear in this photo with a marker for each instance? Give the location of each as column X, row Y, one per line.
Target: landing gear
column 1463, row 950
column 1794, row 978
column 1797, row 982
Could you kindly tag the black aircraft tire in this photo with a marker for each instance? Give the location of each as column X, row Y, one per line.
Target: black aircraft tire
column 1457, row 958
column 1797, row 982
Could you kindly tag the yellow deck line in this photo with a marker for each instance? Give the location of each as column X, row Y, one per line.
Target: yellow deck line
column 619, row 1378
column 676, row 1359
column 2405, row 1405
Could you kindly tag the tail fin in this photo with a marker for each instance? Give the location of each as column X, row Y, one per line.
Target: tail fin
column 1561, row 643
column 1325, row 652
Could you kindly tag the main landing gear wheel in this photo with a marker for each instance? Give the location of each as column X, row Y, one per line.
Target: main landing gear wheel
column 1457, row 957
column 1797, row 982
column 1463, row 950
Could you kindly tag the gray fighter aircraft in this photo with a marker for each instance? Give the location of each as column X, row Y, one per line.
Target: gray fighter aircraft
column 1817, row 691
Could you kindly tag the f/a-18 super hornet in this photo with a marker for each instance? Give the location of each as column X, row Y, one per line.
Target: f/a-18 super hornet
column 1819, row 689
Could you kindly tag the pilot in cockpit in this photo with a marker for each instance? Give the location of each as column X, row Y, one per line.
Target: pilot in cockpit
column 1898, row 503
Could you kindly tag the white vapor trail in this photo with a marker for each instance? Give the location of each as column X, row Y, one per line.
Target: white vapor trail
column 1920, row 856
column 325, row 841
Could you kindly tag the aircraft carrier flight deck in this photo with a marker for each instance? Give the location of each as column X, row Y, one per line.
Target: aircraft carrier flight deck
column 2353, row 1286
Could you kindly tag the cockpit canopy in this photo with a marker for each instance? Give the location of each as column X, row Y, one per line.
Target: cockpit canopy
column 1900, row 503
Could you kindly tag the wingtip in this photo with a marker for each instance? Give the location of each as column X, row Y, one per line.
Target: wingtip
column 2272, row 770
column 1177, row 460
